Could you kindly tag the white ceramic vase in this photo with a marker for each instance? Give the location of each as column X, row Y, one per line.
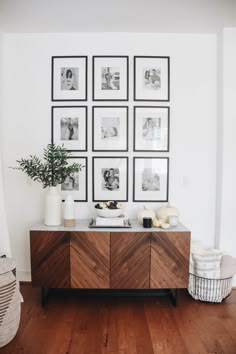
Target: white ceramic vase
column 69, row 211
column 52, row 216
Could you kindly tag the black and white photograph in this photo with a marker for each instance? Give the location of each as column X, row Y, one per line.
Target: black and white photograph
column 110, row 78
column 71, row 183
column 151, row 78
column 110, row 178
column 69, row 127
column 150, row 179
column 110, row 128
column 76, row 184
column 151, row 128
column 69, row 78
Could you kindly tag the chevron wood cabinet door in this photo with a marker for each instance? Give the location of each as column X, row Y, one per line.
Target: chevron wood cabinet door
column 50, row 259
column 130, row 260
column 90, row 260
column 170, row 260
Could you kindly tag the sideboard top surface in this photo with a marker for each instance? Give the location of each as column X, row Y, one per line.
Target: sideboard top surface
column 83, row 225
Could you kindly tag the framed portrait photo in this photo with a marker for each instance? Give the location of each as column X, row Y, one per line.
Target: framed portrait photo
column 69, row 127
column 76, row 185
column 110, row 178
column 110, row 128
column 110, row 78
column 151, row 179
column 69, row 78
column 151, row 128
column 151, row 78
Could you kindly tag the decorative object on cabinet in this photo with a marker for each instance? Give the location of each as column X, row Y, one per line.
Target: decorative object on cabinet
column 110, row 178
column 51, row 172
column 165, row 211
column 147, row 223
column 109, row 209
column 69, row 127
column 161, row 224
column 173, row 220
column 145, row 213
column 110, row 78
column 151, row 179
column 110, row 128
column 151, row 78
column 69, row 211
column 69, row 78
column 52, row 212
column 156, row 222
column 120, row 223
column 76, row 184
column 151, row 128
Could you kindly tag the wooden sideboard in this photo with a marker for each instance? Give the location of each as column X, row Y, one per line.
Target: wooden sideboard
column 84, row 258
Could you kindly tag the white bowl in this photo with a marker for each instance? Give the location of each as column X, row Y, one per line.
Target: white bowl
column 109, row 213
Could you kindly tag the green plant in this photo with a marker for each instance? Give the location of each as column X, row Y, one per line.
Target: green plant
column 53, row 170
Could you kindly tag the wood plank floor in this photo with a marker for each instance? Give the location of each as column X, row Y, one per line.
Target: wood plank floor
column 123, row 325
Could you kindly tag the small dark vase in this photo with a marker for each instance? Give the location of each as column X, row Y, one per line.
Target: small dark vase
column 147, row 223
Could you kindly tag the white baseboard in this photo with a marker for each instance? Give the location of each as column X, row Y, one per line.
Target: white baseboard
column 23, row 275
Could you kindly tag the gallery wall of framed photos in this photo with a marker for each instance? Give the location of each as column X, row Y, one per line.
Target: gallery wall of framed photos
column 103, row 111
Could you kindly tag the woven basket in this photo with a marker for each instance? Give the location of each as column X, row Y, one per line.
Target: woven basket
column 10, row 299
column 209, row 290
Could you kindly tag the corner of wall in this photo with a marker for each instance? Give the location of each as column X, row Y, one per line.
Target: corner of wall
column 219, row 148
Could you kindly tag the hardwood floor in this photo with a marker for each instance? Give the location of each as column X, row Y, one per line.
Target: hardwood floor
column 123, row 325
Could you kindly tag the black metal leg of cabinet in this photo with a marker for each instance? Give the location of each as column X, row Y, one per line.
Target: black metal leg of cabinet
column 45, row 295
column 174, row 296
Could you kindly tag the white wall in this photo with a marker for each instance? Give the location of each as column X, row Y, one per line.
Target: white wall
column 117, row 16
column 4, row 235
column 227, row 227
column 193, row 123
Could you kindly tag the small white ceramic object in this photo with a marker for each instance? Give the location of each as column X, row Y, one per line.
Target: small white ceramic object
column 109, row 213
column 69, row 207
column 173, row 220
column 165, row 225
column 52, row 213
column 69, row 211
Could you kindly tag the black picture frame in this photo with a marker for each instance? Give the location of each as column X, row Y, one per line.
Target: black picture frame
column 160, row 99
column 102, row 99
column 167, row 149
column 126, row 108
column 135, row 177
column 53, row 109
column 85, row 188
column 53, row 93
column 96, row 177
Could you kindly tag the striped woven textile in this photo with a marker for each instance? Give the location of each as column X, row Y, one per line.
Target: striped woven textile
column 10, row 301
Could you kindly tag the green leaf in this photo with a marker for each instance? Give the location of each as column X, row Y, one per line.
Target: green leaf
column 53, row 169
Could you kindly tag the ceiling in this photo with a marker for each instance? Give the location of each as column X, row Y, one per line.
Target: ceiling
column 116, row 15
